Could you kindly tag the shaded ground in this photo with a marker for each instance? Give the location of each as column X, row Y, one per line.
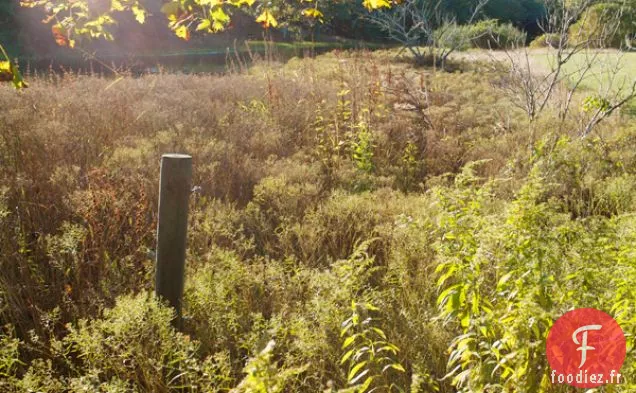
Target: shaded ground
column 213, row 59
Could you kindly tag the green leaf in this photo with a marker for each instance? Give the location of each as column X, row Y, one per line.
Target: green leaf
column 379, row 332
column 447, row 293
column 449, row 273
column 349, row 341
column 18, row 81
column 395, row 366
column 465, row 321
column 116, row 5
column 9, row 72
column 267, row 19
column 475, row 303
column 375, row 4
column 182, row 32
column 367, row 383
column 357, row 377
column 503, row 280
column 346, row 356
column 204, row 25
column 220, row 19
column 355, row 370
column 313, row 13
column 371, row 307
column 140, row 14
column 6, row 75
column 389, row 348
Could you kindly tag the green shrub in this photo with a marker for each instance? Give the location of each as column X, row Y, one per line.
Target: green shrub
column 263, row 376
column 487, row 34
column 604, row 25
column 548, row 40
column 228, row 302
column 536, row 257
column 9, row 359
column 135, row 346
column 296, row 212
column 495, row 35
column 370, row 356
column 362, row 148
column 454, row 36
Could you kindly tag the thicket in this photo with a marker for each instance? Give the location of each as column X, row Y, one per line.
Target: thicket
column 356, row 224
column 551, row 40
column 606, row 25
column 486, row 34
column 22, row 32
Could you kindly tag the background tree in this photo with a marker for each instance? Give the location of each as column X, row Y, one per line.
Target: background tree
column 534, row 92
column 592, row 26
column 414, row 23
column 72, row 20
column 8, row 23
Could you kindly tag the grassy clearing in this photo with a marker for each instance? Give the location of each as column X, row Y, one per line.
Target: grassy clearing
column 610, row 69
column 330, row 191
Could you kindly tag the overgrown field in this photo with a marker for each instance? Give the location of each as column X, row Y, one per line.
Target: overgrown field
column 354, row 221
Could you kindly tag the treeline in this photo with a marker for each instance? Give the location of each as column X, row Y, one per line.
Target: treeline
column 523, row 14
column 23, row 33
column 22, row 27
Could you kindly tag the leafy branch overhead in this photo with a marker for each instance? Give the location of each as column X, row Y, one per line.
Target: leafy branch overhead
column 75, row 19
column 9, row 72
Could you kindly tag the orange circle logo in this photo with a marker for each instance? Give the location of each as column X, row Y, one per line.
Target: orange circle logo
column 586, row 348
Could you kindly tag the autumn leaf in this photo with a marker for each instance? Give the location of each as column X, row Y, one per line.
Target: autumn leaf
column 48, row 19
column 10, row 72
column 220, row 19
column 60, row 38
column 182, row 32
column 116, row 5
column 18, row 81
column 267, row 19
column 204, row 25
column 376, row 4
column 239, row 3
column 313, row 13
column 211, row 3
column 6, row 75
column 30, row 3
column 140, row 14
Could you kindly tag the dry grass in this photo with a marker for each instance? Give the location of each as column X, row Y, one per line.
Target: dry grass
column 274, row 157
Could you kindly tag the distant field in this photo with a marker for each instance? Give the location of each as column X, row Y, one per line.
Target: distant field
column 619, row 65
column 611, row 70
column 609, row 67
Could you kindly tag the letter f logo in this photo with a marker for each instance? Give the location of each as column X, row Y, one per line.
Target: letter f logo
column 584, row 348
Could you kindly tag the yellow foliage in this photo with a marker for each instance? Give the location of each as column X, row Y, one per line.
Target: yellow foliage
column 267, row 19
column 376, row 4
column 182, row 32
